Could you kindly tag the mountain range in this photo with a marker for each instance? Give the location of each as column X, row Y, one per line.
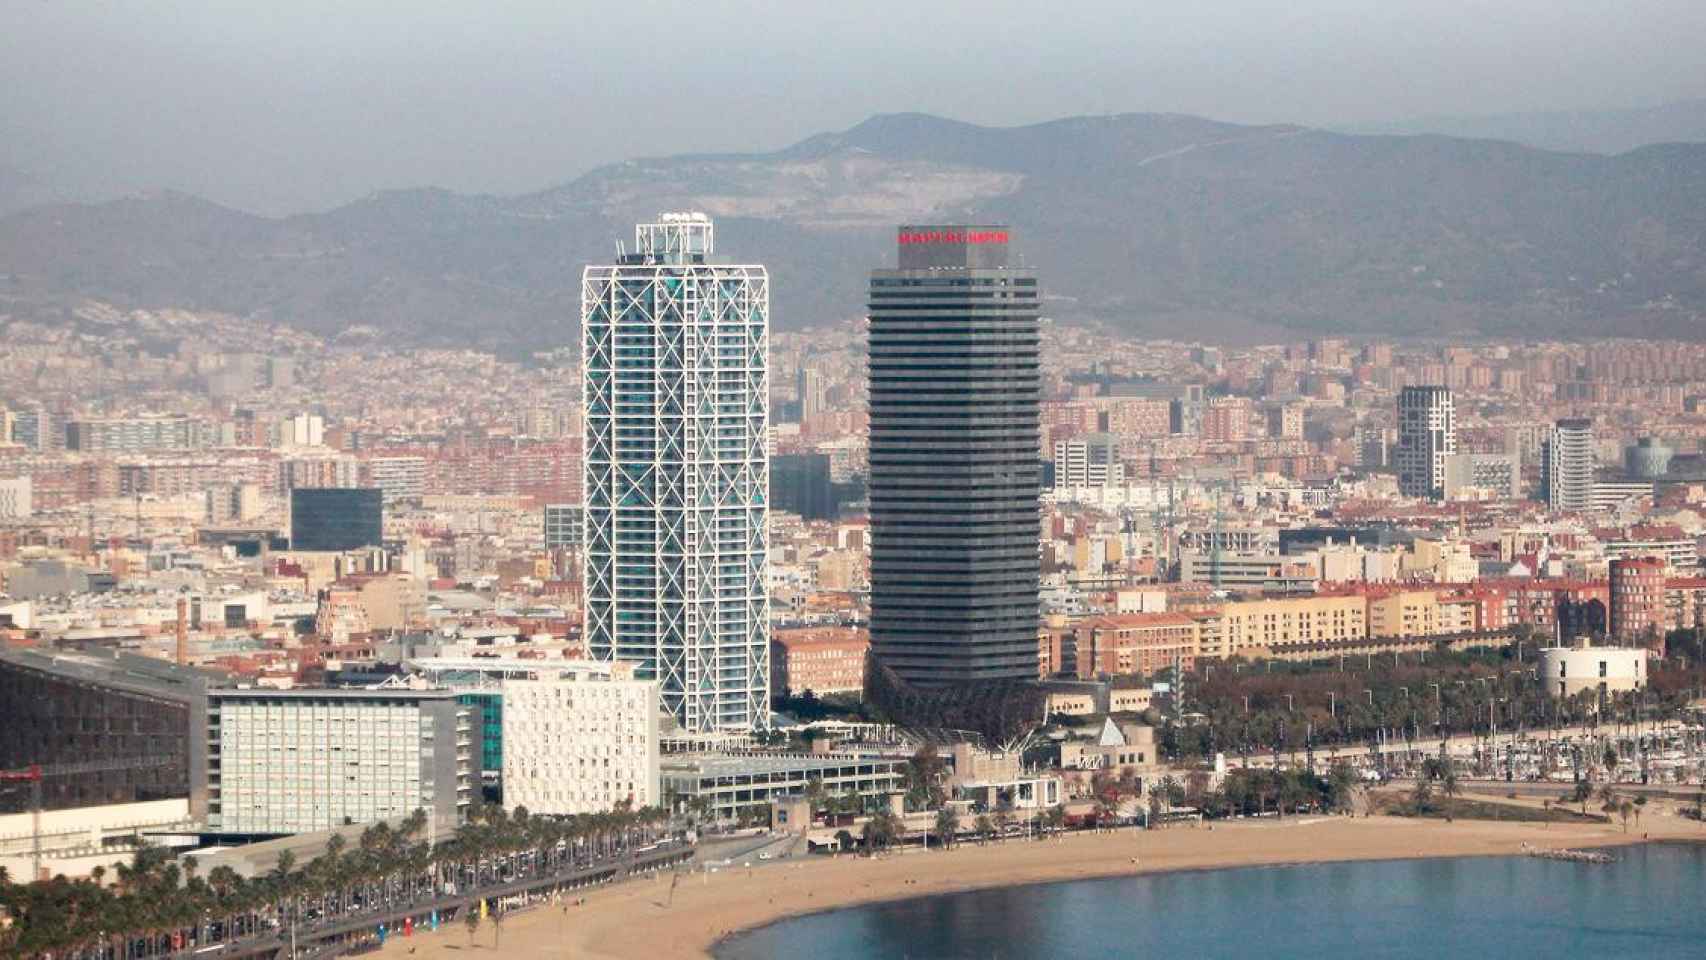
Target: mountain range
column 1159, row 224
column 1570, row 131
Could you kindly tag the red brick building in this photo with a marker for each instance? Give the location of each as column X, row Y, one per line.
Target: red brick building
column 820, row 659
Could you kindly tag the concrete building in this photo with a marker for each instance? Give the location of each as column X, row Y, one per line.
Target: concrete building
column 55, row 578
column 1483, row 476
column 1118, row 747
column 229, row 504
column 580, row 739
column 133, row 435
column 290, row 761
column 1276, row 624
column 1608, row 495
column 16, row 502
column 1092, row 460
column 401, row 478
column 563, row 526
column 1265, row 571
column 1567, row 466
column 732, row 783
column 1568, row 671
column 955, row 478
column 318, row 472
column 1427, row 434
column 74, row 842
column 1133, row 643
column 677, row 468
column 823, row 660
column 1371, row 446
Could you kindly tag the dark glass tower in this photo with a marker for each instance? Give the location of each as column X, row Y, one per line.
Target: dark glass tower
column 955, row 468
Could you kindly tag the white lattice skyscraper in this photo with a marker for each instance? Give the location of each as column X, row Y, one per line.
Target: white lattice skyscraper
column 677, row 407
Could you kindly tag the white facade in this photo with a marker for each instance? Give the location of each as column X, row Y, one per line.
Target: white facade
column 303, row 430
column 402, row 478
column 15, row 498
column 1568, row 466
column 1089, row 461
column 581, row 740
column 1483, row 476
column 1427, row 435
column 1567, row 671
column 677, row 472
column 284, row 762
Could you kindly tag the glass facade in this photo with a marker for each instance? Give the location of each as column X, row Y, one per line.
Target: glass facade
column 336, row 518
column 677, row 474
column 954, row 459
column 63, row 718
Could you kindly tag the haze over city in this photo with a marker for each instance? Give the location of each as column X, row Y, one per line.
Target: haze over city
column 760, row 480
column 290, row 108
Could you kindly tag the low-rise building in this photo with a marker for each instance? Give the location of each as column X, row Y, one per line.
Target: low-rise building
column 730, row 783
column 1568, row 671
column 823, row 660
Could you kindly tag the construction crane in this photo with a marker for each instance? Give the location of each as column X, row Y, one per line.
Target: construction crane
column 35, row 773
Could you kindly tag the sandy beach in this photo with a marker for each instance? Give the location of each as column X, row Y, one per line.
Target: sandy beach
column 639, row 921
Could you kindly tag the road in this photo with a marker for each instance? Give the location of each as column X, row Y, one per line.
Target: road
column 320, row 939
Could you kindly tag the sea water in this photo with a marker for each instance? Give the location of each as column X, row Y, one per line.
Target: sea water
column 1650, row 903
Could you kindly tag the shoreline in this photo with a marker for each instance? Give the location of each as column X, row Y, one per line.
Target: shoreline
column 642, row 920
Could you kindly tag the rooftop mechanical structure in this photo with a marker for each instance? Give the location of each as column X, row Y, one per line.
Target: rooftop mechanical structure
column 676, row 394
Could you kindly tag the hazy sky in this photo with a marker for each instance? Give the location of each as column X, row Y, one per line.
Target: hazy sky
column 304, row 104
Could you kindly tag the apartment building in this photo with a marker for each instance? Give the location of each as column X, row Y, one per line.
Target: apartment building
column 1134, row 643
column 1273, row 625
column 820, row 659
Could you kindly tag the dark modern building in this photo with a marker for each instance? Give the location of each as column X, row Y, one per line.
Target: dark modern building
column 802, row 483
column 954, row 464
column 336, row 518
column 139, row 719
column 563, row 526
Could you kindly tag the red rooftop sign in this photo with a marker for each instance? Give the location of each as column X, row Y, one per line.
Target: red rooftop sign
column 952, row 236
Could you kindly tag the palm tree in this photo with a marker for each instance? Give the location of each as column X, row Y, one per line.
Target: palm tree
column 880, row 831
column 1055, row 818
column 947, row 826
column 471, row 919
column 924, row 773
column 1450, row 789
column 1003, row 814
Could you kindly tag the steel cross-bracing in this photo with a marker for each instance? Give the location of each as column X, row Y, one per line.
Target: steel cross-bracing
column 676, row 394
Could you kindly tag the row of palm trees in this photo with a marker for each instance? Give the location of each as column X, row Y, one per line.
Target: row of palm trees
column 155, row 906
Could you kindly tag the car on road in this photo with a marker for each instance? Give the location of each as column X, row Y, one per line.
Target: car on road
column 766, row 855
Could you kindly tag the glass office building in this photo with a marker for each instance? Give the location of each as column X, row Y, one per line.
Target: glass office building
column 676, row 389
column 336, row 518
column 954, row 459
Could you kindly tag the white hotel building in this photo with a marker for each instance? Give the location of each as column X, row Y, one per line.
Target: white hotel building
column 294, row 761
column 577, row 736
column 580, row 739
